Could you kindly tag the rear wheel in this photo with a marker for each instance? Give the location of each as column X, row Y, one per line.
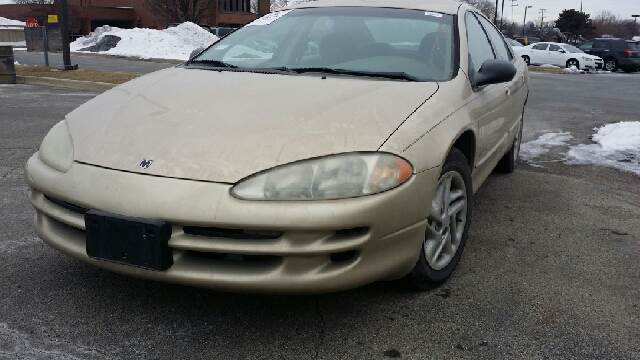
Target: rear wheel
column 447, row 225
column 526, row 59
column 509, row 161
column 610, row 65
column 572, row 63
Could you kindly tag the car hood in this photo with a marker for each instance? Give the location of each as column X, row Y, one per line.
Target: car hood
column 224, row 126
column 588, row 56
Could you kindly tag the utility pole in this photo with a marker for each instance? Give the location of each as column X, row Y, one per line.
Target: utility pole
column 495, row 18
column 502, row 15
column 542, row 11
column 64, row 29
column 524, row 23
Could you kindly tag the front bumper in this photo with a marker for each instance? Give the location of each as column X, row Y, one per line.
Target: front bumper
column 318, row 247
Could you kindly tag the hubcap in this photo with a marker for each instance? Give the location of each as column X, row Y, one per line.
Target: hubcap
column 573, row 63
column 446, row 224
column 610, row 65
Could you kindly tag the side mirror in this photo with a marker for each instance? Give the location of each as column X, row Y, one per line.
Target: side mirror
column 196, row 52
column 494, row 72
column 562, row 51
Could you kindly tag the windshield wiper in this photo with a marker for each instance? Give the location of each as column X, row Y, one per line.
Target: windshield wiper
column 378, row 74
column 215, row 63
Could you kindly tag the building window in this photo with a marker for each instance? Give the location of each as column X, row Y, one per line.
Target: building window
column 235, row 5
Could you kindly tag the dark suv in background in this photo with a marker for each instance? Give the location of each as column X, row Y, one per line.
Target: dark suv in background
column 617, row 53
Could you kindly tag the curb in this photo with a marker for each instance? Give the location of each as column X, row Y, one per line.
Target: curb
column 65, row 83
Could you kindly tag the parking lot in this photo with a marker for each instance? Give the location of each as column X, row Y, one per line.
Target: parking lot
column 550, row 270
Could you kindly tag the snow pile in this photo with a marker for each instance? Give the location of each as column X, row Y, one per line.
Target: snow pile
column 572, row 70
column 549, row 66
column 542, row 145
column 279, row 4
column 174, row 43
column 8, row 22
column 616, row 145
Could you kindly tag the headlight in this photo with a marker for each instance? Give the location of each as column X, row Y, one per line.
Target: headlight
column 57, row 148
column 329, row 178
column 587, row 59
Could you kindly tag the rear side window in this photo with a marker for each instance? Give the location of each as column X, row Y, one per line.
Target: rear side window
column 540, row 47
column 479, row 47
column 553, row 47
column 600, row 44
column 497, row 40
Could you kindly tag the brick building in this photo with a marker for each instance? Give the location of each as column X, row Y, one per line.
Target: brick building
column 86, row 15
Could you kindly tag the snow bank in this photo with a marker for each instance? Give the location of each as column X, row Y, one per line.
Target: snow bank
column 572, row 70
column 542, row 145
column 279, row 4
column 549, row 66
column 8, row 22
column 616, row 146
column 174, row 43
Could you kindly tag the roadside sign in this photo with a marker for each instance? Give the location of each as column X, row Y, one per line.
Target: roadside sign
column 32, row 22
column 52, row 19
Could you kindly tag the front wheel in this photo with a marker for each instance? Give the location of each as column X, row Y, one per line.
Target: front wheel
column 573, row 63
column 509, row 161
column 447, row 225
column 526, row 60
column 610, row 65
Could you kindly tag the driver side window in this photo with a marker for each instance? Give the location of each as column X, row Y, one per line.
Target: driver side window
column 554, row 48
column 540, row 47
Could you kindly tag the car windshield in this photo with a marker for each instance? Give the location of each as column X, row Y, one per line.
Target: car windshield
column 572, row 49
column 354, row 41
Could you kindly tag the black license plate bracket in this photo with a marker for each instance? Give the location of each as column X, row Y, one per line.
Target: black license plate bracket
column 132, row 241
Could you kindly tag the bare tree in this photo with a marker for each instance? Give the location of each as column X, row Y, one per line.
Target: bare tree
column 607, row 23
column 486, row 7
column 178, row 11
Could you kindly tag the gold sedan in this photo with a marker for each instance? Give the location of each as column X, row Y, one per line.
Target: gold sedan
column 319, row 148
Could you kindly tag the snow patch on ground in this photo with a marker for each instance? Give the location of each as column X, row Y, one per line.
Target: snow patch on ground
column 174, row 43
column 572, row 70
column 549, row 66
column 8, row 22
column 543, row 144
column 615, row 145
column 279, row 4
column 14, row 44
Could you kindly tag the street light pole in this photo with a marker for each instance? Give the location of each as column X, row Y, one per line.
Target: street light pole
column 524, row 23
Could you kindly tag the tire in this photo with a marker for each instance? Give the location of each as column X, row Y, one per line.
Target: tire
column 573, row 62
column 526, row 60
column 509, row 161
column 611, row 64
column 428, row 274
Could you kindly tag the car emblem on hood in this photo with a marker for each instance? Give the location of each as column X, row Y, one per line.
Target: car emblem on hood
column 145, row 164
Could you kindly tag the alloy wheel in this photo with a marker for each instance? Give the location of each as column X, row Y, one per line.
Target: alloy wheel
column 446, row 224
column 572, row 63
column 610, row 65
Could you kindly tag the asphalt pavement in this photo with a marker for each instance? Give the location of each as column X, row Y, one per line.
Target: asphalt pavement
column 94, row 62
column 550, row 271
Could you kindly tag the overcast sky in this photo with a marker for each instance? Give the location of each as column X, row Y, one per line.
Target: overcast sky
column 622, row 8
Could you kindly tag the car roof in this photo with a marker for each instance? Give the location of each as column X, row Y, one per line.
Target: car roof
column 441, row 6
